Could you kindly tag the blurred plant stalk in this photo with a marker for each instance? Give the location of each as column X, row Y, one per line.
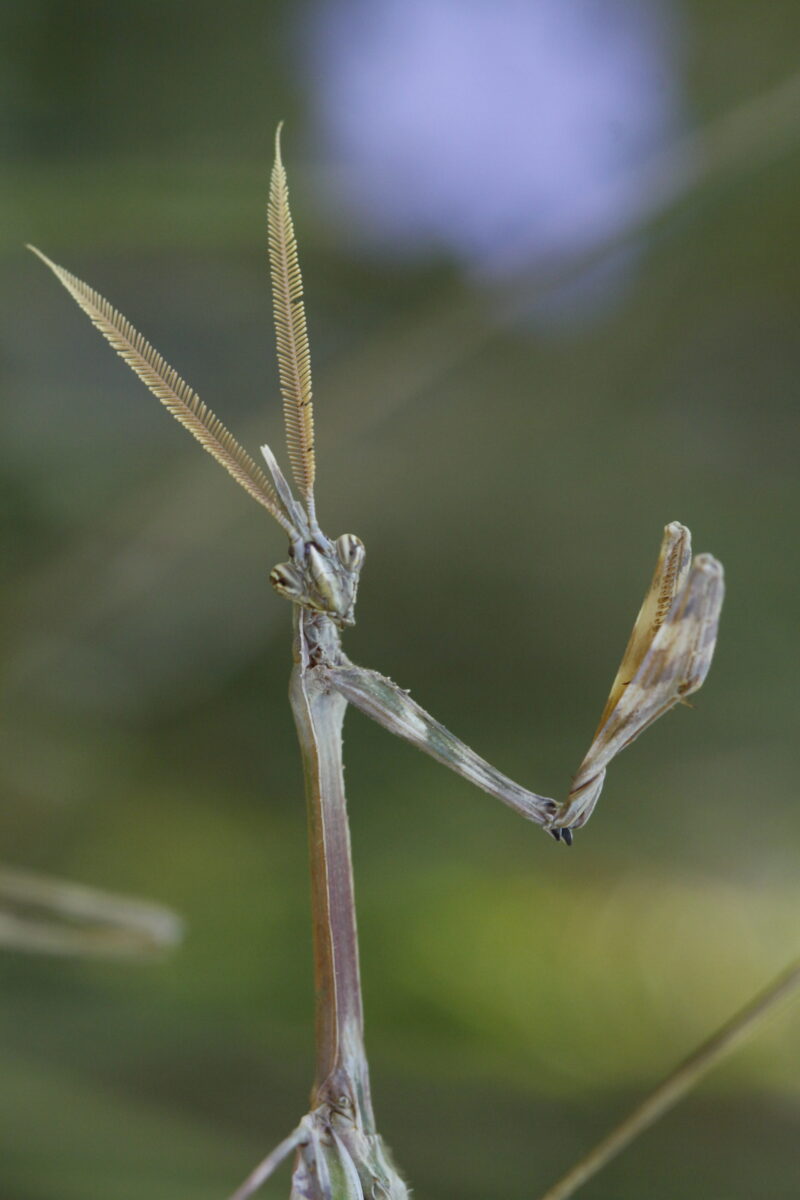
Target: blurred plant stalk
column 42, row 915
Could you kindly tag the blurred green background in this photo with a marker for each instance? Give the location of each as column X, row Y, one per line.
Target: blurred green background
column 509, row 450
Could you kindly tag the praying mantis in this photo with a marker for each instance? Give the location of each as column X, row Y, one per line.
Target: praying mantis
column 338, row 1151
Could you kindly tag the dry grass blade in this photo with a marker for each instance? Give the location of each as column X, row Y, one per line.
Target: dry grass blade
column 740, row 1026
column 294, row 361
column 174, row 393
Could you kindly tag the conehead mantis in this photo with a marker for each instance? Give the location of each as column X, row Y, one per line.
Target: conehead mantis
column 338, row 1150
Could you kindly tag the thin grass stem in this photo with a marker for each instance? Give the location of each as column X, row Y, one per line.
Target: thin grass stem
column 679, row 1082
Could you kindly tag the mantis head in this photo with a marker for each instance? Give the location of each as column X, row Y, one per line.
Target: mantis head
column 322, row 575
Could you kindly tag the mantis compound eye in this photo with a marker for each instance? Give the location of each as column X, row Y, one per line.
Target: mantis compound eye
column 287, row 581
column 351, row 551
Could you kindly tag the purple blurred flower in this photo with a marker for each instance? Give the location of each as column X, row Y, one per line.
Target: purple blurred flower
column 502, row 132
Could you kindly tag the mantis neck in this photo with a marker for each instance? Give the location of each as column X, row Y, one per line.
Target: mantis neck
column 342, row 1079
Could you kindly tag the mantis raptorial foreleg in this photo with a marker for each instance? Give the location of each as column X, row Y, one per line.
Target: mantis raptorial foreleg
column 667, row 658
column 393, row 708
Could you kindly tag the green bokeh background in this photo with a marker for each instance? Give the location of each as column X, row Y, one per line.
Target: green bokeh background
column 511, row 486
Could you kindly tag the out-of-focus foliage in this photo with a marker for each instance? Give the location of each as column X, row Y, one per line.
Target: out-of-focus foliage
column 510, row 478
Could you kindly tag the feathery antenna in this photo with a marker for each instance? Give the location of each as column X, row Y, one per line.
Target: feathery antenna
column 294, row 362
column 174, row 393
